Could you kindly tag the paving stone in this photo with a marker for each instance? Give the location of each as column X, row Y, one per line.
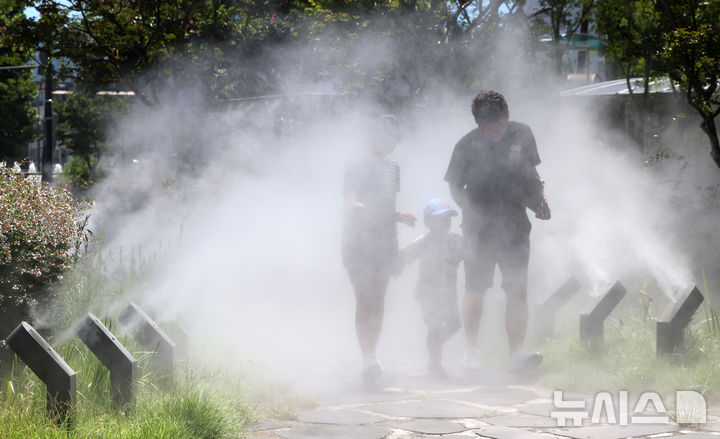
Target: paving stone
column 495, row 396
column 469, row 435
column 521, row 421
column 454, row 381
column 713, row 407
column 429, row 426
column 499, row 432
column 346, row 398
column 428, row 409
column 711, row 426
column 694, row 436
column 538, row 409
column 267, row 425
column 336, row 432
column 337, row 417
column 615, row 431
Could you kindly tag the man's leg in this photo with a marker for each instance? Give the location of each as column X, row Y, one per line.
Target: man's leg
column 514, row 268
column 516, row 317
column 472, row 314
column 479, row 270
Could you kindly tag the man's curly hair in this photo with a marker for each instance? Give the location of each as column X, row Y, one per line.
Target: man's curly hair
column 489, row 106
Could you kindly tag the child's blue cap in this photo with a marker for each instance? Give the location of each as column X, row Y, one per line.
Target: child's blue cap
column 438, row 206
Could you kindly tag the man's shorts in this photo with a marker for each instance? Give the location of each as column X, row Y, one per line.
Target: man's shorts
column 485, row 249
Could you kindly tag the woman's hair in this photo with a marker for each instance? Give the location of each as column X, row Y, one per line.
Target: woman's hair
column 388, row 124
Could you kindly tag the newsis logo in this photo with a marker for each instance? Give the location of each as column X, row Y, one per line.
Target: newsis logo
column 690, row 408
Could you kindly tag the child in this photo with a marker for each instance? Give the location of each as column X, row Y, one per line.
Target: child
column 370, row 245
column 440, row 253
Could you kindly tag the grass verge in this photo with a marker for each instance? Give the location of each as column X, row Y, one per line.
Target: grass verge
column 199, row 402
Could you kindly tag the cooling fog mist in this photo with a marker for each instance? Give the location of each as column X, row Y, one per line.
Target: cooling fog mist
column 243, row 206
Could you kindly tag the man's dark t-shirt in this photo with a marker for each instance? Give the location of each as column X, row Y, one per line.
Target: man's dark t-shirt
column 500, row 178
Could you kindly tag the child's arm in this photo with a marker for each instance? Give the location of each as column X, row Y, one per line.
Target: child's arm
column 406, row 218
column 408, row 254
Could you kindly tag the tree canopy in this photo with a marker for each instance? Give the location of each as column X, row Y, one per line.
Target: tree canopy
column 18, row 117
column 680, row 39
column 233, row 48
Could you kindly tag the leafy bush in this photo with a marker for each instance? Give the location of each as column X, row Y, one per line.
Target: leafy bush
column 41, row 230
column 84, row 130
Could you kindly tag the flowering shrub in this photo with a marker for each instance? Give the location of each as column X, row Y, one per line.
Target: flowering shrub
column 41, row 230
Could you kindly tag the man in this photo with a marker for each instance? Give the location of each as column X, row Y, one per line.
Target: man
column 493, row 179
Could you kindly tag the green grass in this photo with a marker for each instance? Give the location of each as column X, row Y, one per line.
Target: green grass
column 196, row 405
column 629, row 361
column 200, row 401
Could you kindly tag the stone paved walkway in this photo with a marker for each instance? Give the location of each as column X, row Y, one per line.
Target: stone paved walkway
column 413, row 405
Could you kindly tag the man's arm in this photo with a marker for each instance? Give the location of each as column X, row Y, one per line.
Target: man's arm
column 459, row 195
column 536, row 195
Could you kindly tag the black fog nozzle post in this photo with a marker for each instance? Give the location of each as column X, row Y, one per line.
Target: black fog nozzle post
column 545, row 312
column 181, row 339
column 119, row 361
column 41, row 358
column 592, row 324
column 149, row 334
column 674, row 319
column 176, row 332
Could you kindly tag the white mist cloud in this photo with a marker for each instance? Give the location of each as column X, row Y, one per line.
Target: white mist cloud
column 253, row 261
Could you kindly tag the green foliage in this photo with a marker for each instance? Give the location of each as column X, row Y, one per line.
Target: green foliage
column 155, row 48
column 631, row 31
column 201, row 402
column 18, row 117
column 629, row 361
column 566, row 18
column 680, row 39
column 83, row 129
column 195, row 408
column 41, row 230
column 691, row 50
column 694, row 58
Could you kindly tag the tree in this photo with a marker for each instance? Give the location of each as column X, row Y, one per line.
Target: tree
column 18, row 116
column 566, row 18
column 84, row 120
column 691, row 50
column 632, row 31
column 680, row 39
column 154, row 48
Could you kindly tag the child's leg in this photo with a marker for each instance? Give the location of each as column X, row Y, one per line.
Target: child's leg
column 436, row 340
column 434, row 345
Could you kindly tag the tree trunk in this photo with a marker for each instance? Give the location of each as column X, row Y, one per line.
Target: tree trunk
column 709, row 127
column 558, row 57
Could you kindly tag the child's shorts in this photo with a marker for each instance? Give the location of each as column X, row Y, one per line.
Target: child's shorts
column 440, row 311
